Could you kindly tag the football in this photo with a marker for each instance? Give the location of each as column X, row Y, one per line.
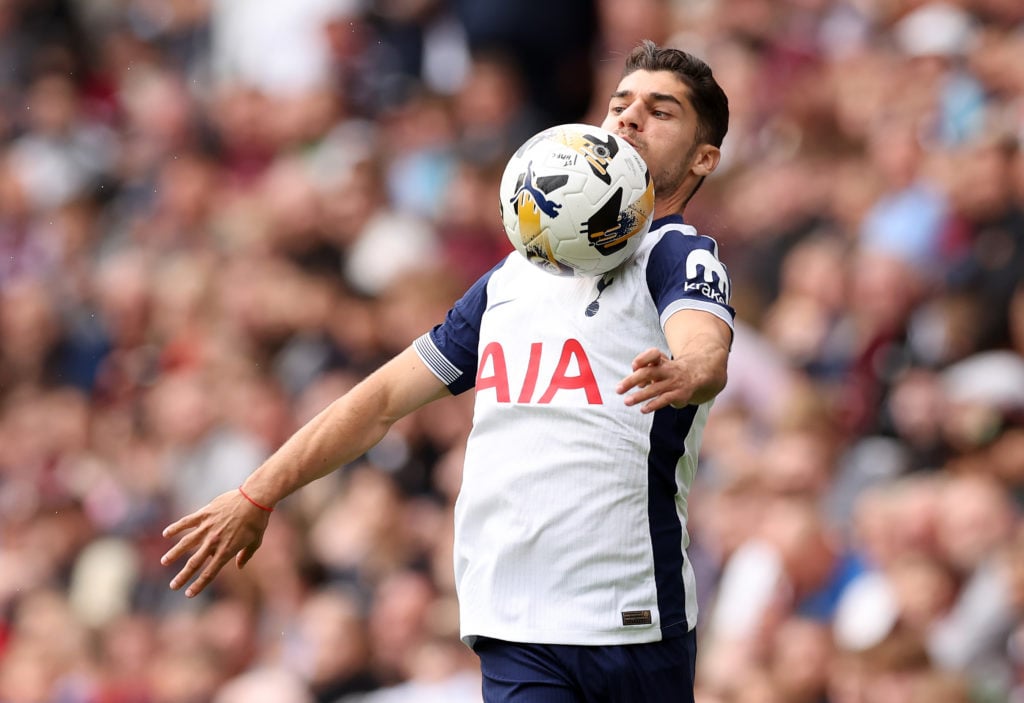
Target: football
column 576, row 200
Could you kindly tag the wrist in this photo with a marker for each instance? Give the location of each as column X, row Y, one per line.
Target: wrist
column 262, row 506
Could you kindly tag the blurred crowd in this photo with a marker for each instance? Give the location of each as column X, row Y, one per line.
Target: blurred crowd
column 218, row 215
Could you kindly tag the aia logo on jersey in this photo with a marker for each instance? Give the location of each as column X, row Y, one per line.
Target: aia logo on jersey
column 572, row 373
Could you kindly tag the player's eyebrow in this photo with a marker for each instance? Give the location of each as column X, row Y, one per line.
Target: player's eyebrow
column 653, row 97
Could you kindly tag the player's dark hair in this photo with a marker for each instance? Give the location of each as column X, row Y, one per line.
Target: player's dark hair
column 707, row 97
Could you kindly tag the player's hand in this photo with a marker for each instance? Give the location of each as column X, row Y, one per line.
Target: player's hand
column 228, row 526
column 657, row 382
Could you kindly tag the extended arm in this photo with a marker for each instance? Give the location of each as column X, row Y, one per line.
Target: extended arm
column 232, row 526
column 696, row 373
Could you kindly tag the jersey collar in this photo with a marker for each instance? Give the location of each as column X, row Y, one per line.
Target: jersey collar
column 673, row 219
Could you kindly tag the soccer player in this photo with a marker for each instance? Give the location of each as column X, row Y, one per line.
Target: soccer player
column 591, row 397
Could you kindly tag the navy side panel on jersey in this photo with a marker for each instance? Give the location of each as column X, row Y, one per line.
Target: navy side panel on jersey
column 668, row 443
column 458, row 337
column 683, row 273
column 704, row 284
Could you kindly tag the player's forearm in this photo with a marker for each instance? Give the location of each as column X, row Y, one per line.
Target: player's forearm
column 347, row 428
column 700, row 348
column 705, row 359
column 340, row 433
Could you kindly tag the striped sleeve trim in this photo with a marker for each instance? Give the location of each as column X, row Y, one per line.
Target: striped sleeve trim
column 687, row 304
column 445, row 370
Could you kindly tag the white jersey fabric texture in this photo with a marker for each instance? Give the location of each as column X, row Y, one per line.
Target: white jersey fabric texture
column 570, row 527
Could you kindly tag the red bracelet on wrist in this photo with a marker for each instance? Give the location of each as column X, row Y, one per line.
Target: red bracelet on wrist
column 258, row 505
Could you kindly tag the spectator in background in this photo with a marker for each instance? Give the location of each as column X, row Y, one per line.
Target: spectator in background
column 551, row 44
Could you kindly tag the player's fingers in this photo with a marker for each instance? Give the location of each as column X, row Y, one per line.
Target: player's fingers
column 644, row 378
column 644, row 392
column 652, row 396
column 243, row 557
column 648, row 357
column 630, row 382
column 194, row 564
column 183, row 524
column 185, row 544
column 212, row 569
column 658, row 391
column 658, row 402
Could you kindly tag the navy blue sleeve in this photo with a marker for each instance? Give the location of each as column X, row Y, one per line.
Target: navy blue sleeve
column 450, row 349
column 684, row 273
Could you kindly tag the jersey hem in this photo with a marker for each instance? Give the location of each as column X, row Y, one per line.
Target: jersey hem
column 644, row 635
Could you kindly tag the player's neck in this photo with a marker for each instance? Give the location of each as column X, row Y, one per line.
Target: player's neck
column 672, row 205
column 675, row 202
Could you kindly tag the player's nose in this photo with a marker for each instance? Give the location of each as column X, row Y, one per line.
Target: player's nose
column 630, row 116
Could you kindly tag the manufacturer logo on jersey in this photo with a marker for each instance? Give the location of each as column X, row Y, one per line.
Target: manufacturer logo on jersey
column 499, row 304
column 706, row 276
column 492, row 372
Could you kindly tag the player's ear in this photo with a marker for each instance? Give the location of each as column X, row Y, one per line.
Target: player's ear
column 706, row 159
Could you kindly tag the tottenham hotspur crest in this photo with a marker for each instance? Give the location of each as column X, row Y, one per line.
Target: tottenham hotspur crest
column 595, row 304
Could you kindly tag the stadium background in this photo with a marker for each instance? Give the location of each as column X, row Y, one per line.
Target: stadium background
column 217, row 215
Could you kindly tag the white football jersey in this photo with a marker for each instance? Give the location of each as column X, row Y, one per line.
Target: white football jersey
column 570, row 527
